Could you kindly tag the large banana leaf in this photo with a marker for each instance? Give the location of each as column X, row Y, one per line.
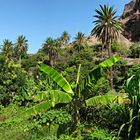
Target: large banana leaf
column 106, row 100
column 58, row 78
column 55, row 97
column 101, row 100
column 110, row 62
column 41, row 96
column 40, row 107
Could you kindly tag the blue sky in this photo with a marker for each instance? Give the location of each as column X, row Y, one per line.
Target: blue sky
column 39, row 19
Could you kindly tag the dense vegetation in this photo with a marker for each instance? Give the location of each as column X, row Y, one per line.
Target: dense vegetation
column 71, row 90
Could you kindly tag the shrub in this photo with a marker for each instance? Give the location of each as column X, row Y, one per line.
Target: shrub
column 135, row 50
column 120, row 48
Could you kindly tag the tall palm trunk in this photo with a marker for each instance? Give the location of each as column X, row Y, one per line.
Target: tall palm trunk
column 51, row 60
column 109, row 49
column 102, row 50
column 19, row 61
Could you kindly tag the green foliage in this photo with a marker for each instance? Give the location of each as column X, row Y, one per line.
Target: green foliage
column 120, row 48
column 20, row 48
column 50, row 47
column 42, row 126
column 55, row 116
column 48, row 99
column 109, row 62
column 45, row 106
column 7, row 50
column 135, row 50
column 7, row 112
column 79, row 41
column 100, row 87
column 53, row 98
column 100, row 134
column 133, row 69
column 96, row 72
column 133, row 91
column 101, row 100
column 70, row 73
column 13, row 81
column 30, row 62
column 68, row 137
column 120, row 75
column 61, row 81
column 121, row 114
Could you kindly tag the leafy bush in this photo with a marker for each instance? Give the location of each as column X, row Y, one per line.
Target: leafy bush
column 41, row 127
column 68, row 137
column 100, row 134
column 56, row 116
column 13, row 81
column 101, row 87
column 135, row 50
column 120, row 48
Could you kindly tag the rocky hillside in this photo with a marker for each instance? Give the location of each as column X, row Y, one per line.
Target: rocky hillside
column 92, row 40
column 131, row 20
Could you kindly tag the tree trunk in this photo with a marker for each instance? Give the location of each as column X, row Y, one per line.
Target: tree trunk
column 109, row 50
column 102, row 51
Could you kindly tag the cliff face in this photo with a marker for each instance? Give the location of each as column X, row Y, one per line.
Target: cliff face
column 131, row 20
column 128, row 9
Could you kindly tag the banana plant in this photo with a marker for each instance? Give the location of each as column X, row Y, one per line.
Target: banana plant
column 50, row 98
column 66, row 94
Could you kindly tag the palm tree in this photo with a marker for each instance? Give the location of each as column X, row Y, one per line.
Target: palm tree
column 79, row 41
column 107, row 29
column 57, row 42
column 50, row 48
column 21, row 47
column 7, row 50
column 65, row 37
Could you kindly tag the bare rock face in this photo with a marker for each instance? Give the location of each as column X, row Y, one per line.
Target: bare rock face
column 92, row 40
column 131, row 20
column 128, row 9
